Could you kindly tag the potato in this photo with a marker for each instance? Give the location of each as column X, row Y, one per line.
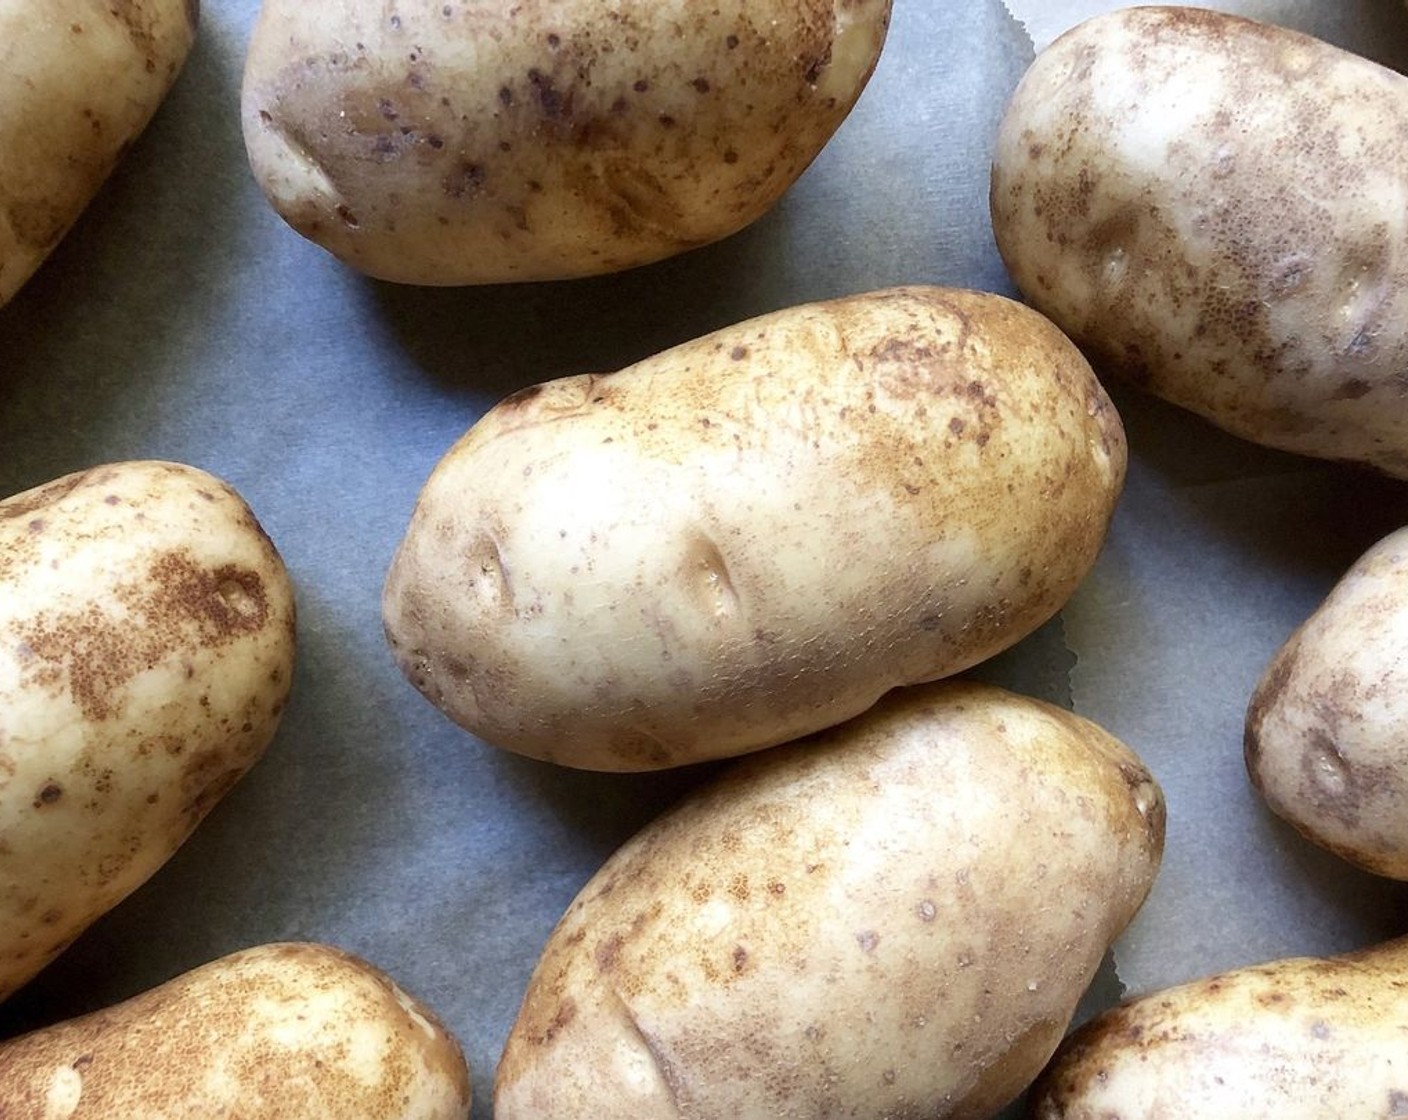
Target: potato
column 1300, row 1039
column 1218, row 210
column 896, row 918
column 146, row 649
column 277, row 1032
column 473, row 142
column 756, row 534
column 1327, row 727
column 78, row 83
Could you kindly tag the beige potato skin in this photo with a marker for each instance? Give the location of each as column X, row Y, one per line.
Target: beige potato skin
column 1214, row 208
column 1327, row 728
column 146, row 650
column 278, row 1032
column 476, row 142
column 79, row 81
column 756, row 534
column 895, row 918
column 1298, row 1039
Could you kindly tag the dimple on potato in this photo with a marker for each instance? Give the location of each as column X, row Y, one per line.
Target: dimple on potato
column 756, row 534
column 288, row 1031
column 1298, row 1039
column 896, row 918
column 146, row 651
column 1326, row 738
column 79, row 81
column 1216, row 209
column 472, row 142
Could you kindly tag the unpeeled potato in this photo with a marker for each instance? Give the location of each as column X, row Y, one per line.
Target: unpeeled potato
column 79, row 81
column 475, row 142
column 756, row 534
column 1326, row 738
column 894, row 918
column 1298, row 1039
column 146, row 652
column 277, row 1032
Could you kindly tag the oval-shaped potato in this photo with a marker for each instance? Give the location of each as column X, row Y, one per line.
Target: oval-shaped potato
column 146, row 649
column 1299, row 1039
column 1215, row 208
column 474, row 142
column 756, row 534
column 79, row 81
column 278, row 1032
column 896, row 918
column 1327, row 728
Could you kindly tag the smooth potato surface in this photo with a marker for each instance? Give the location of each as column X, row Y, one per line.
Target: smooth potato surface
column 278, row 1032
column 79, row 80
column 895, row 918
column 1218, row 210
column 1299, row 1039
column 756, row 534
column 146, row 650
column 477, row 142
column 1327, row 727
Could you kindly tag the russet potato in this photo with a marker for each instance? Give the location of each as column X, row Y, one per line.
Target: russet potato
column 146, row 651
column 79, row 81
column 756, row 534
column 1327, row 727
column 1215, row 208
column 1298, row 1039
column 894, row 918
column 288, row 1031
column 473, row 141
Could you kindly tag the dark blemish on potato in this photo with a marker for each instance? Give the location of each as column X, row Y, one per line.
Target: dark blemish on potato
column 552, row 102
column 666, row 121
column 554, row 40
column 505, row 96
column 738, row 353
column 348, row 218
column 607, row 953
column 466, row 179
column 731, row 42
column 701, row 84
column 641, row 85
column 740, row 958
column 1397, row 1103
column 868, row 940
column 817, row 66
column 49, row 793
column 1351, row 390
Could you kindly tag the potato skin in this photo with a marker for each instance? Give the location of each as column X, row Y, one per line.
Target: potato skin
column 1213, row 208
column 146, row 650
column 1298, row 1039
column 278, row 1032
column 756, row 534
column 895, row 918
column 79, row 80
column 479, row 142
column 1326, row 738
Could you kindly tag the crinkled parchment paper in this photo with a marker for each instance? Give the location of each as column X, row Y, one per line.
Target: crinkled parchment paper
column 181, row 319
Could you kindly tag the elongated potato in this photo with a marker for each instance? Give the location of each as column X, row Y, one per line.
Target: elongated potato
column 478, row 142
column 758, row 533
column 1299, row 1039
column 896, row 918
column 79, row 80
column 146, row 649
column 278, row 1032
column 1327, row 728
column 1216, row 208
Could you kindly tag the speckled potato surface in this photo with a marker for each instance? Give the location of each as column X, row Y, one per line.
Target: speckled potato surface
column 1298, row 1039
column 475, row 142
column 895, row 918
column 1215, row 208
column 146, row 650
column 79, row 81
column 1327, row 727
column 278, row 1032
column 758, row 533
